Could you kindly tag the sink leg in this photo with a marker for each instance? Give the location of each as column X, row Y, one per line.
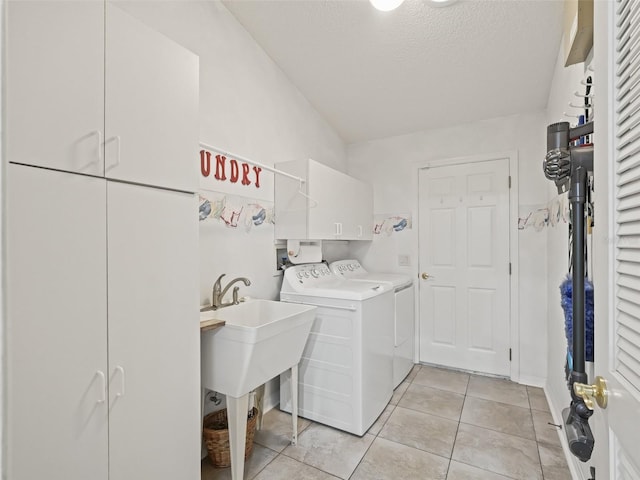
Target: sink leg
column 203, row 399
column 237, row 414
column 259, row 405
column 294, row 403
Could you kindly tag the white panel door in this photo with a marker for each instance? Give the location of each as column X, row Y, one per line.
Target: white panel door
column 154, row 334
column 464, row 266
column 57, row 320
column 55, row 84
column 151, row 106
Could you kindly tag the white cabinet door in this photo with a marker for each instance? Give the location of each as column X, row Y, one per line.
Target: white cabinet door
column 359, row 206
column 56, row 333
column 154, row 334
column 291, row 206
column 326, row 206
column 151, row 106
column 55, row 84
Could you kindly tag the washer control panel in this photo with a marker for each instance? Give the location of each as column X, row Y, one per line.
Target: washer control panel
column 347, row 268
column 309, row 274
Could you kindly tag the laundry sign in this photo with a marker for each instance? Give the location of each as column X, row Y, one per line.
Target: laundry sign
column 229, row 169
column 220, row 172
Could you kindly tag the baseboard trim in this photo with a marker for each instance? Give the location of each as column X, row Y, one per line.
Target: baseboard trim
column 532, row 381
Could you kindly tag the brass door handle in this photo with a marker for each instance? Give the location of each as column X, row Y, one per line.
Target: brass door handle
column 425, row 276
column 598, row 392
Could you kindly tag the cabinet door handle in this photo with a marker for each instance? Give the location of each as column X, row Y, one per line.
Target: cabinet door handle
column 359, row 230
column 98, row 133
column 122, row 384
column 338, row 228
column 117, row 162
column 103, row 390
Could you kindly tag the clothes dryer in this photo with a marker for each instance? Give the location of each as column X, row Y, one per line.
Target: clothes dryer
column 346, row 372
column 404, row 311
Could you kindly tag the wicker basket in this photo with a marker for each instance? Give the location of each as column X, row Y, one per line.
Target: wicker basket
column 216, row 437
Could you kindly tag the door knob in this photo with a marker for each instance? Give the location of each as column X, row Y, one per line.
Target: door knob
column 598, row 392
column 425, row 276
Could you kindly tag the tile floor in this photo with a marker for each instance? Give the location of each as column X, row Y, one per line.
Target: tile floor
column 440, row 424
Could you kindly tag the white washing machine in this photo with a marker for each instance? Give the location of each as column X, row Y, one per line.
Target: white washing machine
column 345, row 375
column 404, row 306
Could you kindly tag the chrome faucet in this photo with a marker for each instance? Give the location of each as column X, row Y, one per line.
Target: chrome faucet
column 219, row 293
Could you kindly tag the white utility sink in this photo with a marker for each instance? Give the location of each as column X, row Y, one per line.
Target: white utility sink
column 260, row 339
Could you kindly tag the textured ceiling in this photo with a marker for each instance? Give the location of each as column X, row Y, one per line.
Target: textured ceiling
column 377, row 74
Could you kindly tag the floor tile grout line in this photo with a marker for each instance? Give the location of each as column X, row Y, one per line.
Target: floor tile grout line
column 538, row 450
column 455, row 438
column 474, row 466
column 440, row 389
column 418, row 448
column 278, row 453
column 362, row 458
column 497, row 401
column 385, row 422
column 320, row 470
column 534, row 440
column 430, row 413
column 485, row 470
column 268, row 463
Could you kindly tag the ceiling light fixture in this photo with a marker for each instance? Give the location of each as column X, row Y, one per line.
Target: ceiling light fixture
column 441, row 3
column 386, row 5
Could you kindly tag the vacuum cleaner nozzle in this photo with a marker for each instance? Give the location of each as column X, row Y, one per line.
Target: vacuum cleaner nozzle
column 561, row 157
column 579, row 435
column 557, row 162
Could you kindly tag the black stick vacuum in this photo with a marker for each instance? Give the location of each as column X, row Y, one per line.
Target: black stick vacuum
column 569, row 166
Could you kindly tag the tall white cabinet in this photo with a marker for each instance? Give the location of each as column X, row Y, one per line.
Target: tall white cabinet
column 57, row 422
column 103, row 331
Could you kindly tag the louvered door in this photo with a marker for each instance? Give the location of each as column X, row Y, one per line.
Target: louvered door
column 617, row 250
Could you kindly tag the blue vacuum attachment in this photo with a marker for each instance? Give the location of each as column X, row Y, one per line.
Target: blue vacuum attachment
column 566, row 290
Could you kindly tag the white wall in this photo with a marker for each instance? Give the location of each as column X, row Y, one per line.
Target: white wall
column 248, row 107
column 391, row 165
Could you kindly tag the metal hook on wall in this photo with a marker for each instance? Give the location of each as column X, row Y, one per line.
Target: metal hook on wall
column 582, row 107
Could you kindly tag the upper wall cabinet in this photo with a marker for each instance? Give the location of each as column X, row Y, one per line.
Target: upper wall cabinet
column 148, row 120
column 329, row 205
column 81, row 104
column 578, row 30
column 55, row 85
